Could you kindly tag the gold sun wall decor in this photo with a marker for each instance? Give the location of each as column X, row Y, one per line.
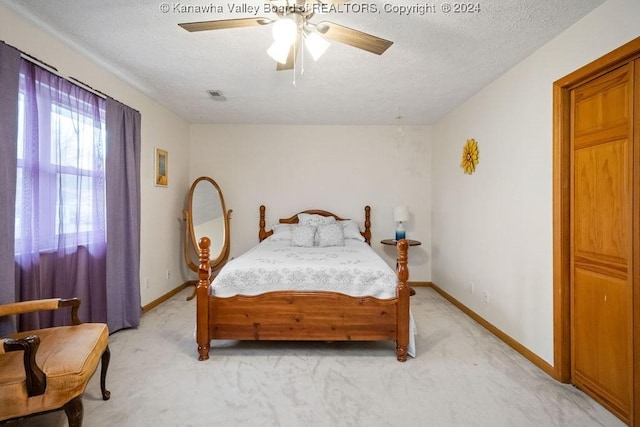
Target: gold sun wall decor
column 469, row 156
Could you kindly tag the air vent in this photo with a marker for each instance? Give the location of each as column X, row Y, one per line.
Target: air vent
column 216, row 95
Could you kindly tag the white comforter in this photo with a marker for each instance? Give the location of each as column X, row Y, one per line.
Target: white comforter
column 354, row 269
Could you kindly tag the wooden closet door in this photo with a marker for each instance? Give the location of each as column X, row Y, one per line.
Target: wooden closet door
column 601, row 257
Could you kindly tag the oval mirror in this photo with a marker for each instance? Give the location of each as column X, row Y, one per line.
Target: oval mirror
column 206, row 216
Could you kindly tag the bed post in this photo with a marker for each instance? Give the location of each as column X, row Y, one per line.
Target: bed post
column 367, row 225
column 402, row 343
column 202, row 300
column 263, row 233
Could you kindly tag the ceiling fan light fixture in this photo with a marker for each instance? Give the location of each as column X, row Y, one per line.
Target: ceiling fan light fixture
column 285, row 31
column 279, row 51
column 316, row 45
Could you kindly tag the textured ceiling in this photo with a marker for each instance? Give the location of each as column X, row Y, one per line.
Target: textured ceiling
column 437, row 61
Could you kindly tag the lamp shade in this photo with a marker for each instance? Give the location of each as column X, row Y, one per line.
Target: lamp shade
column 316, row 45
column 285, row 31
column 401, row 214
column 279, row 51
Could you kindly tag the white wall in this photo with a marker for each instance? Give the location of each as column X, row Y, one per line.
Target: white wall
column 336, row 168
column 494, row 228
column 161, row 207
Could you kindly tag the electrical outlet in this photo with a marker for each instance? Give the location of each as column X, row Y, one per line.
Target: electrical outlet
column 146, row 283
column 168, row 274
column 471, row 287
column 485, row 297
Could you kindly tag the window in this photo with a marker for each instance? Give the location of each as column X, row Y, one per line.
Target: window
column 60, row 195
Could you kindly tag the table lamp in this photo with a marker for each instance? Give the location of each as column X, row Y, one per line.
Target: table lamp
column 400, row 214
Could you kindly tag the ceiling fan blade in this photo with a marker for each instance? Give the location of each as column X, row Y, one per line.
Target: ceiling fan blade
column 223, row 24
column 353, row 37
column 291, row 58
column 288, row 65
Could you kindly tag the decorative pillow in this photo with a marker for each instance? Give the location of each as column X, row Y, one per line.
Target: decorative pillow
column 315, row 219
column 302, row 235
column 351, row 230
column 281, row 232
column 330, row 235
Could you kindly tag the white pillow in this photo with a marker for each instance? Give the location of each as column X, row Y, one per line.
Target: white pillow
column 330, row 235
column 351, row 230
column 281, row 232
column 302, row 235
column 314, row 219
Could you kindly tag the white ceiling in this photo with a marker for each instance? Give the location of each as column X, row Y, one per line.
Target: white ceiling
column 437, row 61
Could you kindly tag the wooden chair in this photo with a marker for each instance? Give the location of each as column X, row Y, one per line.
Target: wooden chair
column 48, row 369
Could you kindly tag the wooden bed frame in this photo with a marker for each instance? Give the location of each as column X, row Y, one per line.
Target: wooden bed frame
column 302, row 315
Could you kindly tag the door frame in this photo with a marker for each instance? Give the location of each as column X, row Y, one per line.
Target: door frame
column 561, row 213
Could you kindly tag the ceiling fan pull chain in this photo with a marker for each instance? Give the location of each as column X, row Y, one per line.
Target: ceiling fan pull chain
column 293, row 47
column 301, row 55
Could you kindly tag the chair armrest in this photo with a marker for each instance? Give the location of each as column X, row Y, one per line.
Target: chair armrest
column 36, row 379
column 74, row 303
column 42, row 305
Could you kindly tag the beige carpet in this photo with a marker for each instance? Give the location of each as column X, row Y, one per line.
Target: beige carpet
column 462, row 376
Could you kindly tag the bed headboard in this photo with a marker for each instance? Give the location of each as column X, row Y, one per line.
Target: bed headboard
column 263, row 234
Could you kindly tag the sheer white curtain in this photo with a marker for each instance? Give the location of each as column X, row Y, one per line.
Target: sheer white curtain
column 60, row 224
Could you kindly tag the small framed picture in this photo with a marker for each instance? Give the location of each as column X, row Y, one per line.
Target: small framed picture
column 162, row 168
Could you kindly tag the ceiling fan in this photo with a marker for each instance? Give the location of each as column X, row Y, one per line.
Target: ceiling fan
column 292, row 27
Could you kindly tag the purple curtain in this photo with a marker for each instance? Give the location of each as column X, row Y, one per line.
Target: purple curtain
column 123, row 215
column 60, row 242
column 9, row 69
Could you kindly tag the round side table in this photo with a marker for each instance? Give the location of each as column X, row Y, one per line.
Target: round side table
column 394, row 242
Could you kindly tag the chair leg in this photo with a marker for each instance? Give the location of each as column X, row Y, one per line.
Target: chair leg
column 106, row 357
column 74, row 411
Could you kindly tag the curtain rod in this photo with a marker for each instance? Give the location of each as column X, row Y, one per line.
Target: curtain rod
column 55, row 71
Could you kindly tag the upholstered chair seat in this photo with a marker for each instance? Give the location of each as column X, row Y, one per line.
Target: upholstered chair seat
column 48, row 369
